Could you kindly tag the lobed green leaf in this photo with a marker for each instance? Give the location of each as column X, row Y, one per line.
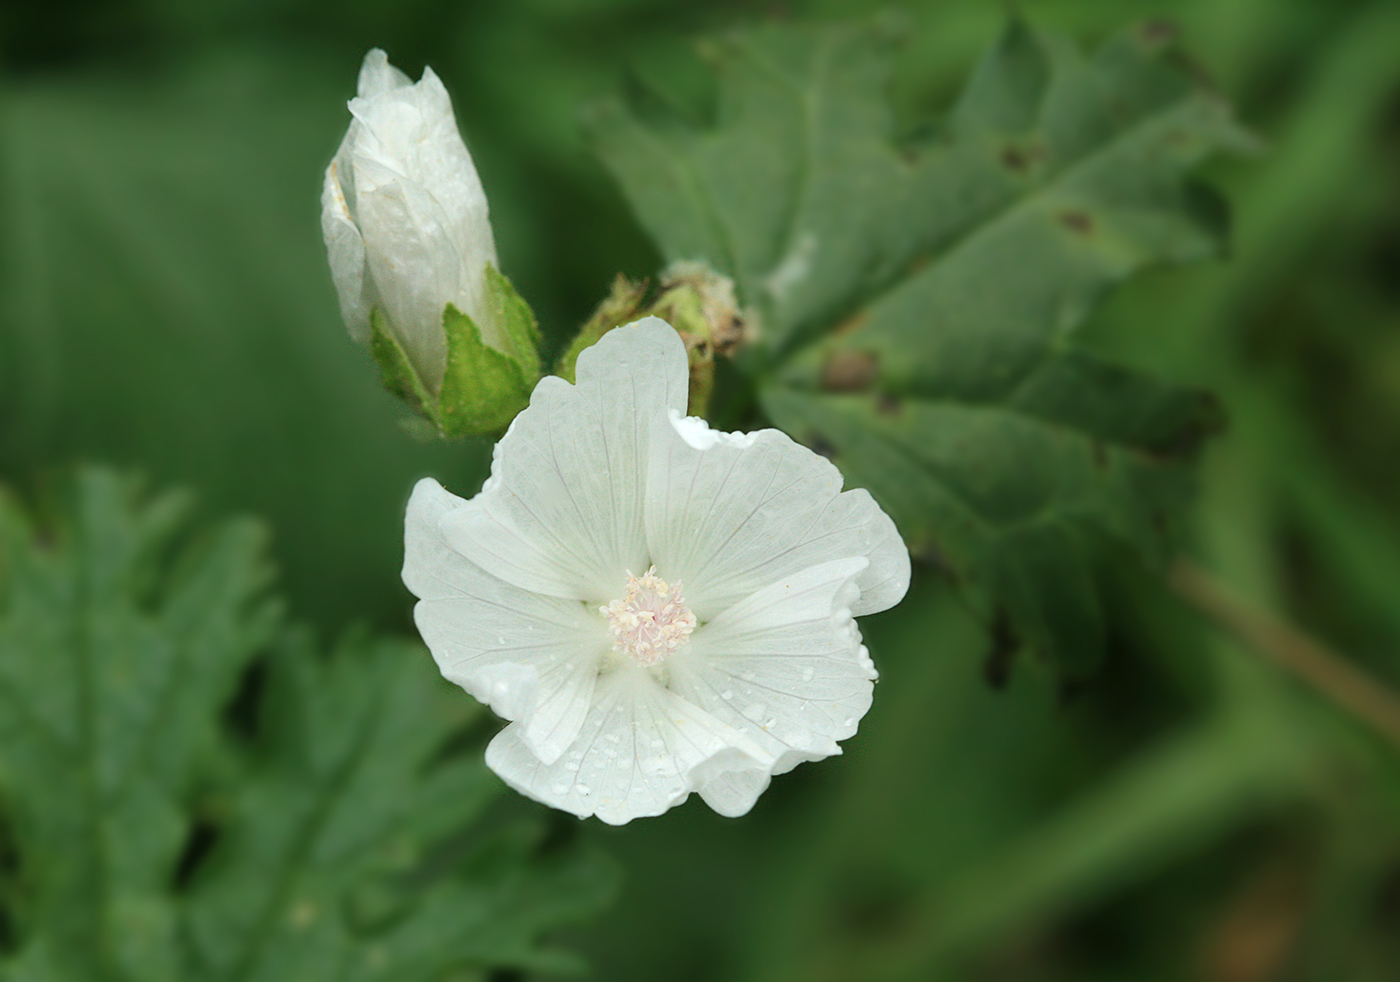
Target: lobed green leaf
column 919, row 302
column 192, row 790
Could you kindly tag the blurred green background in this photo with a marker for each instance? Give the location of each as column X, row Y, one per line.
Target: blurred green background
column 1193, row 814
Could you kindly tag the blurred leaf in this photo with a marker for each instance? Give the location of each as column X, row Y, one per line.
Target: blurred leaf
column 948, row 279
column 152, row 842
column 166, row 302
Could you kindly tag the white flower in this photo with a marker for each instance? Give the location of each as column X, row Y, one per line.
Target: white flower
column 405, row 219
column 659, row 607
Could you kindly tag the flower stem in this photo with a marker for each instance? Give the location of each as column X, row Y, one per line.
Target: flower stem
column 1343, row 683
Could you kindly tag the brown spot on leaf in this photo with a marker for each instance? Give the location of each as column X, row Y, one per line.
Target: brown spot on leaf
column 1186, row 440
column 1158, row 32
column 850, row 371
column 929, row 553
column 996, row 670
column 887, row 404
column 1077, row 221
column 1159, row 523
column 1015, row 159
column 1388, row 899
column 1071, row 691
column 851, row 324
column 1256, row 936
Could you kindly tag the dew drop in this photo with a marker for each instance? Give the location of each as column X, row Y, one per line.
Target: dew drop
column 584, row 790
column 772, row 722
column 807, row 673
column 727, row 694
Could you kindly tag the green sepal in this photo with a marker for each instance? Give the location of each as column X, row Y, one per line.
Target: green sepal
column 521, row 333
column 683, row 308
column 482, row 389
column 396, row 371
column 622, row 304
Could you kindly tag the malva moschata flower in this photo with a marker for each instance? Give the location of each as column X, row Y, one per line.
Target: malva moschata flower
column 657, row 606
column 404, row 217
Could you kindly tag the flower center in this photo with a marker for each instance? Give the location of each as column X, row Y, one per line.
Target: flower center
column 651, row 621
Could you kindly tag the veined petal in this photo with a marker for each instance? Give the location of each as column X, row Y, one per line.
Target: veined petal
column 411, row 189
column 563, row 510
column 731, row 513
column 640, row 751
column 410, row 260
column 530, row 657
column 345, row 249
column 786, row 665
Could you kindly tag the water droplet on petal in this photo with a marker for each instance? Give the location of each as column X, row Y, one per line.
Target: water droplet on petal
column 727, row 694
column 807, row 673
column 584, row 790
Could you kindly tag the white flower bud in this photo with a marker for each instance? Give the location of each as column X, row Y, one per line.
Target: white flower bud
column 405, row 218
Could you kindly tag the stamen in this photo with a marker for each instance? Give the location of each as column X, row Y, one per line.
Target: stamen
column 651, row 621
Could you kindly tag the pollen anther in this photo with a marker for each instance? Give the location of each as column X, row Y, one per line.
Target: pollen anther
column 651, row 621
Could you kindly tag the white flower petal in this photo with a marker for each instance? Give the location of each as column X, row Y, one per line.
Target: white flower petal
column 404, row 180
column 640, row 751
column 377, row 75
column 404, row 249
column 345, row 250
column 529, row 657
column 409, row 136
column 785, row 665
column 749, row 509
column 563, row 510
column 730, row 783
column 605, row 477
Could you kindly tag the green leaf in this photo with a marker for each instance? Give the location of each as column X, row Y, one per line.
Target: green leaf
column 483, row 389
column 190, row 790
column 919, row 303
